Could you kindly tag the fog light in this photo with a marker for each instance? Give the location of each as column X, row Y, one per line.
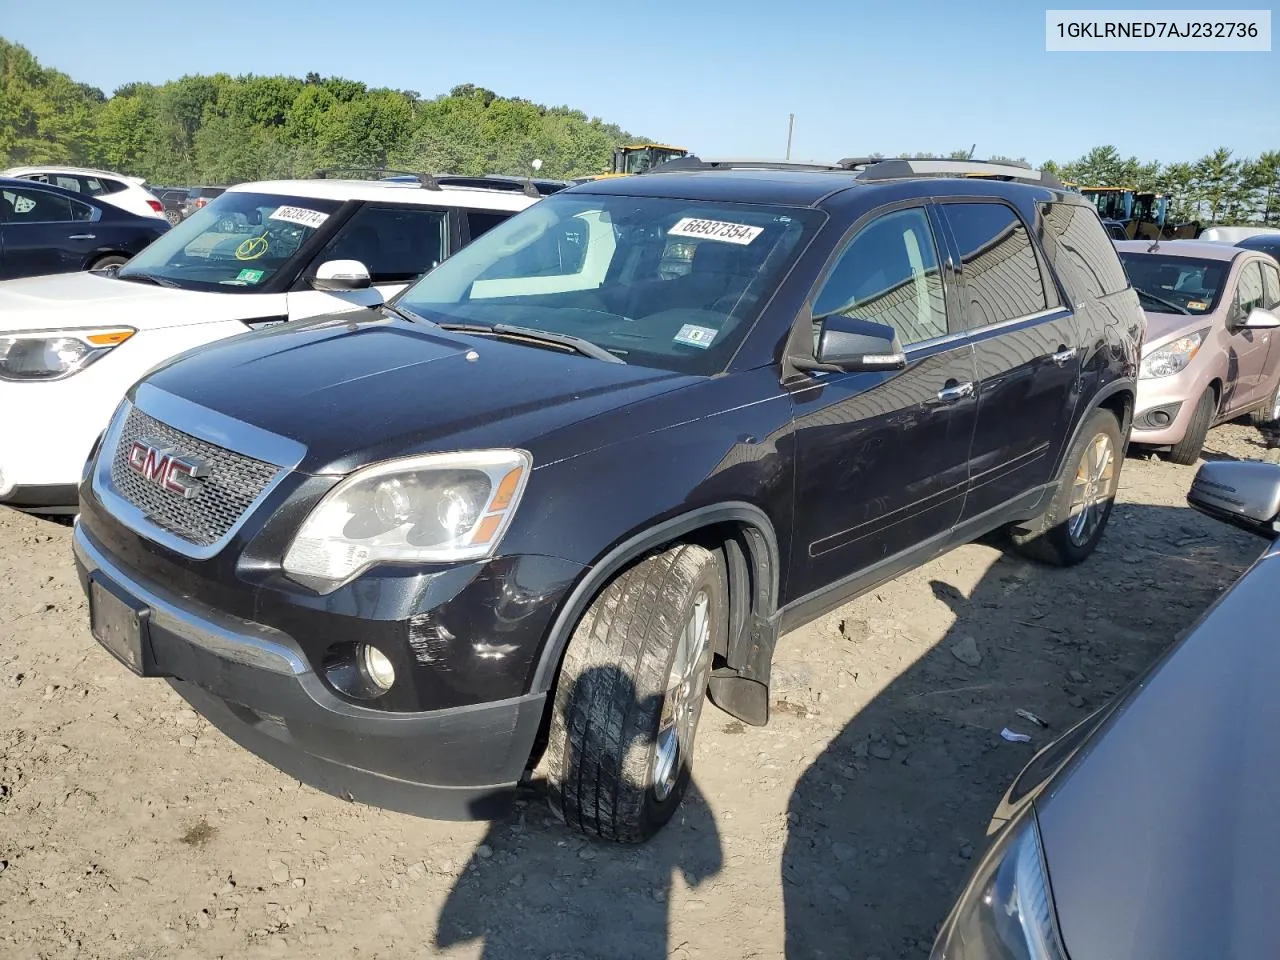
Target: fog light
column 1160, row 418
column 376, row 667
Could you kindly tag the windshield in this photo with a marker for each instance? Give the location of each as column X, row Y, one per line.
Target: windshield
column 1176, row 284
column 638, row 161
column 658, row 282
column 1112, row 204
column 237, row 242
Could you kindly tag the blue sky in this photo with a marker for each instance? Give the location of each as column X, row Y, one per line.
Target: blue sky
column 719, row 78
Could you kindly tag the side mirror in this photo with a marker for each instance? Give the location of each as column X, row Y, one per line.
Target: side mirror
column 1259, row 319
column 341, row 275
column 1243, row 493
column 852, row 345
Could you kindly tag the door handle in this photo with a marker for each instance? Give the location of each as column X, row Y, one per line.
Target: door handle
column 82, row 236
column 1063, row 355
column 956, row 391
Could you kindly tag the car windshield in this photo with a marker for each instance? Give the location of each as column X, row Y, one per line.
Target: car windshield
column 1176, row 284
column 236, row 243
column 659, row 282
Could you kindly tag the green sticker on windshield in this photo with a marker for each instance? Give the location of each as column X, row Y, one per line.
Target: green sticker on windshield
column 250, row 276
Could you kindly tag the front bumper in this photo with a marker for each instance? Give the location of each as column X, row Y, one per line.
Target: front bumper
column 1175, row 396
column 255, row 684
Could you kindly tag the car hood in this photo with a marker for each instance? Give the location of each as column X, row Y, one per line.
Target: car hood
column 1163, row 327
column 1162, row 841
column 360, row 387
column 94, row 300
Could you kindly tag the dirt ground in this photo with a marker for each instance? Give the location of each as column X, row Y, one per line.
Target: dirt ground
column 131, row 828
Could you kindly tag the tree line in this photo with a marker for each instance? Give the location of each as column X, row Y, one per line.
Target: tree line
column 221, row 129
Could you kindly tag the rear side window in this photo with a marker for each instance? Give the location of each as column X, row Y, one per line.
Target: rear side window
column 22, row 205
column 1271, row 286
column 396, row 244
column 482, row 221
column 998, row 263
column 112, row 186
column 1082, row 252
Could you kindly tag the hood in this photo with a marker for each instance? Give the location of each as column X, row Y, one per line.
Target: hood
column 361, row 387
column 1162, row 327
column 91, row 300
column 1163, row 842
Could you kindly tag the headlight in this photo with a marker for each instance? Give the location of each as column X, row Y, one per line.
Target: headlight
column 1006, row 912
column 55, row 354
column 1172, row 357
column 435, row 508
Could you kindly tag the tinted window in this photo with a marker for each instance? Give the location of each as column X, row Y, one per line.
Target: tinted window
column 112, row 186
column 1168, row 284
column 1001, row 274
column 93, row 186
column 889, row 274
column 80, row 211
column 395, row 243
column 1271, row 286
column 1082, row 254
column 28, row 205
column 1249, row 291
column 65, row 181
column 482, row 221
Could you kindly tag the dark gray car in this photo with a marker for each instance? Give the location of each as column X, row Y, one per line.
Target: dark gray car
column 1150, row 829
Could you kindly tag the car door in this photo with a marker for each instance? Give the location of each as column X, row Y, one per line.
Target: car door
column 396, row 242
column 882, row 457
column 1248, row 347
column 44, row 232
column 1025, row 353
column 1270, row 378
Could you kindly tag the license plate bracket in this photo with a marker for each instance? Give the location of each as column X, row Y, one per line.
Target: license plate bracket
column 120, row 623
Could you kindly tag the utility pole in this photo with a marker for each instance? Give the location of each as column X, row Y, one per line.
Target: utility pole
column 791, row 123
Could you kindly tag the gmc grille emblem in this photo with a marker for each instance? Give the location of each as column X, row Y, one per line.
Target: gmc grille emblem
column 159, row 464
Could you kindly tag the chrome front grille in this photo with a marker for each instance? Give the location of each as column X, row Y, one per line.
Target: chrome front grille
column 229, row 484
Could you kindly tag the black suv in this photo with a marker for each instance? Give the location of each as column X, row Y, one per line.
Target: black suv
column 521, row 519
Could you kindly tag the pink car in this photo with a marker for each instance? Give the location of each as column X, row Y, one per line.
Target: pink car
column 1209, row 354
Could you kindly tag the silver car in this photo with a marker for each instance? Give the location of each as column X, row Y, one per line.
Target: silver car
column 1151, row 829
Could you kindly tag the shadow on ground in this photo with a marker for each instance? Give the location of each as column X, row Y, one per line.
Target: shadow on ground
column 923, row 766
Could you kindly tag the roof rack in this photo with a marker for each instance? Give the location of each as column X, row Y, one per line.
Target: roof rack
column 425, row 180
column 696, row 163
column 903, row 168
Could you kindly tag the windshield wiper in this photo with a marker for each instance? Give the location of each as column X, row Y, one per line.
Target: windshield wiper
column 402, row 314
column 148, row 278
column 584, row 347
column 1163, row 302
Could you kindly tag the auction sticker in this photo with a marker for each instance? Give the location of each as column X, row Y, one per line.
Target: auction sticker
column 300, row 215
column 695, row 336
column 739, row 233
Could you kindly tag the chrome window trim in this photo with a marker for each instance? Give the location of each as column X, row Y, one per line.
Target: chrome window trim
column 205, row 424
column 962, row 335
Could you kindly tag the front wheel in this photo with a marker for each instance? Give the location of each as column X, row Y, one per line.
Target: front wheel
column 630, row 693
column 1187, row 450
column 1071, row 527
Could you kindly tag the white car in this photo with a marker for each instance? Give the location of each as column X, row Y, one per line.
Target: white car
column 127, row 193
column 262, row 253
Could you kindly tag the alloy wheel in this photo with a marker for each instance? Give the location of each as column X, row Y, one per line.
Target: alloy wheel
column 683, row 700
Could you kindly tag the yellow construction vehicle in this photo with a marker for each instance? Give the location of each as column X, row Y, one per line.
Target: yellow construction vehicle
column 639, row 157
column 1143, row 214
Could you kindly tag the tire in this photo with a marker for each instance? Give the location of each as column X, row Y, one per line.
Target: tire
column 1269, row 412
column 1090, row 476
column 1187, row 450
column 108, row 261
column 613, row 714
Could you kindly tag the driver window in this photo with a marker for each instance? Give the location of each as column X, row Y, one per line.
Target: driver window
column 889, row 274
column 1249, row 291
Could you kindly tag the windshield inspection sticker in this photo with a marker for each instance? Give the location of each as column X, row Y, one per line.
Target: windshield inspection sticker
column 695, row 336
column 250, row 276
column 300, row 215
column 739, row 233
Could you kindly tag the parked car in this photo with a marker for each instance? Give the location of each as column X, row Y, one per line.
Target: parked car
column 47, row 230
column 1236, row 234
column 1209, row 355
column 200, row 197
column 1148, row 829
column 543, row 186
column 174, row 200
column 260, row 254
column 534, row 509
column 1268, row 243
column 127, row 193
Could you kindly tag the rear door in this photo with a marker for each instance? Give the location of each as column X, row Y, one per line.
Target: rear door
column 44, row 232
column 397, row 243
column 1248, row 347
column 1025, row 350
column 882, row 457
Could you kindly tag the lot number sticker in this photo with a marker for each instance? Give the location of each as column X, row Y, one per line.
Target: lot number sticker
column 739, row 233
column 300, row 215
column 696, row 336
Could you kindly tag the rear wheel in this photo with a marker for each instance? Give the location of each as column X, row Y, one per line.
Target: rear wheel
column 1071, row 527
column 1187, row 450
column 102, row 263
column 630, row 694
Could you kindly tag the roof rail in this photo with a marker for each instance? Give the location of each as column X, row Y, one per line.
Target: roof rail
column 691, row 162
column 903, row 168
column 425, row 180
